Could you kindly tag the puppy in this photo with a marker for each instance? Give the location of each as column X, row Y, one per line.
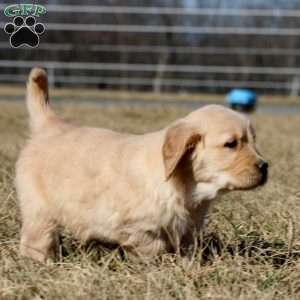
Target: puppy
column 148, row 193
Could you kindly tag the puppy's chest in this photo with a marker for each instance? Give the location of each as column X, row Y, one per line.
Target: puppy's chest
column 203, row 192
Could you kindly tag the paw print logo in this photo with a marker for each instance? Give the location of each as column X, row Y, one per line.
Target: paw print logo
column 24, row 32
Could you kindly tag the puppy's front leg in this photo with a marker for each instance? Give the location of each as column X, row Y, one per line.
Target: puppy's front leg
column 146, row 244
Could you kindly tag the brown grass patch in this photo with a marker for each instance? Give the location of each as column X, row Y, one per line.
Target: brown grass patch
column 251, row 249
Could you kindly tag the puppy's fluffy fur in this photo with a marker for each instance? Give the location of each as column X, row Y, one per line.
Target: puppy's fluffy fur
column 148, row 193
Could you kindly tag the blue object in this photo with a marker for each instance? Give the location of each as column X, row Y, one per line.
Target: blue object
column 241, row 97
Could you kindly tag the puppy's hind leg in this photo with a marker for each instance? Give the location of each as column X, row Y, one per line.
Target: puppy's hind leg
column 38, row 235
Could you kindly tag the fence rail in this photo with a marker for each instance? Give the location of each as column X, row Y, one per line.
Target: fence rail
column 162, row 49
column 148, row 82
column 162, row 10
column 151, row 67
column 170, row 29
column 164, row 73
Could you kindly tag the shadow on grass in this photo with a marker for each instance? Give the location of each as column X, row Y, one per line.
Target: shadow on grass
column 251, row 247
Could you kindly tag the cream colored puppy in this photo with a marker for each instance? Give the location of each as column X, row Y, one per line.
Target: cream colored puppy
column 148, row 193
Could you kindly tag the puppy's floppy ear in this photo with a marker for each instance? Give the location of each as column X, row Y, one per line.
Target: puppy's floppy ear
column 178, row 140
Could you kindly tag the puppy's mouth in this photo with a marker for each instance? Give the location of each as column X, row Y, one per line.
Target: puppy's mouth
column 249, row 182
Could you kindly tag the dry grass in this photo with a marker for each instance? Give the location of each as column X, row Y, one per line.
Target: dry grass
column 251, row 249
column 124, row 95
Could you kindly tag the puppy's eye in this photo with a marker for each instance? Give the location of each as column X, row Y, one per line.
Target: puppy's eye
column 232, row 144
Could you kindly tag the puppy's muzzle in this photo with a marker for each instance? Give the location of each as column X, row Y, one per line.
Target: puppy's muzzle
column 263, row 169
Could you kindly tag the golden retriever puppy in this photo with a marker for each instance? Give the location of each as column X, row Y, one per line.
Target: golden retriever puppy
column 148, row 193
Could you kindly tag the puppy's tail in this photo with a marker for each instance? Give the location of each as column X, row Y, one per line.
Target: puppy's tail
column 38, row 100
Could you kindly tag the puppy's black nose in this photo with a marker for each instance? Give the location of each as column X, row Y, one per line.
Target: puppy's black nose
column 263, row 167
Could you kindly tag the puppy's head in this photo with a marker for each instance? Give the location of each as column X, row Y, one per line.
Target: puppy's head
column 217, row 145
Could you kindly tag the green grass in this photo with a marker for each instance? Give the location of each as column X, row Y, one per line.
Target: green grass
column 250, row 250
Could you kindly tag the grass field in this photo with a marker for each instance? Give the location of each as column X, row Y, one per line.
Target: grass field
column 250, row 250
column 123, row 95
